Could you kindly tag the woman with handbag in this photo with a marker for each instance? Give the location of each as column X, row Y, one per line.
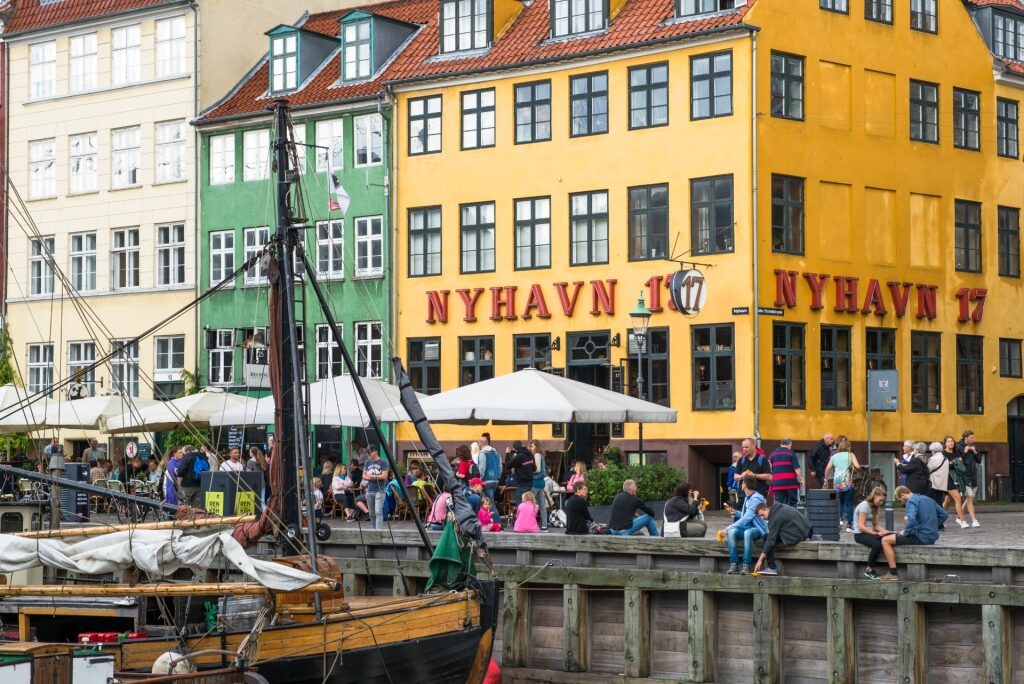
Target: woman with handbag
column 841, row 468
column 683, row 517
column 957, row 481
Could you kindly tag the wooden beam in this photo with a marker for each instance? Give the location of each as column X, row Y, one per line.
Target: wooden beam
column 840, row 641
column 637, row 632
column 516, row 620
column 767, row 639
column 355, row 583
column 912, row 641
column 92, row 531
column 575, row 621
column 700, row 635
column 996, row 635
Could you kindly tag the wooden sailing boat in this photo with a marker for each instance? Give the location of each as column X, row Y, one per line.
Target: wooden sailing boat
column 315, row 634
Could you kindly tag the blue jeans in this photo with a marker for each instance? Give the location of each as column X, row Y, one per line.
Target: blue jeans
column 375, row 502
column 846, row 505
column 542, row 504
column 490, row 488
column 639, row 524
column 749, row 535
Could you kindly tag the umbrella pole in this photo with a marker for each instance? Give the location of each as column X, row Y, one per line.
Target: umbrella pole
column 529, row 431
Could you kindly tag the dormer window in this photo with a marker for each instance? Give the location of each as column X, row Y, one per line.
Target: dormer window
column 690, row 8
column 295, row 54
column 1008, row 36
column 356, row 39
column 284, row 61
column 572, row 17
column 465, row 25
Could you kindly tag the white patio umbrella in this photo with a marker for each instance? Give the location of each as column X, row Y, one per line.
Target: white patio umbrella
column 168, row 415
column 15, row 417
column 92, row 413
column 533, row 396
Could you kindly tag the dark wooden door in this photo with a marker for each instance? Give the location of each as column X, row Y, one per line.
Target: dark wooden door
column 1015, row 427
column 52, row 670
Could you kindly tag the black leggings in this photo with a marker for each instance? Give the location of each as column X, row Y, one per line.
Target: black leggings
column 872, row 542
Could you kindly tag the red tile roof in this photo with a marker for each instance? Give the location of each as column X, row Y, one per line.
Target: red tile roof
column 32, row 15
column 1016, row 4
column 641, row 22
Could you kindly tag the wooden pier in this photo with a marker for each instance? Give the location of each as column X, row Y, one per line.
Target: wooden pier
column 612, row 609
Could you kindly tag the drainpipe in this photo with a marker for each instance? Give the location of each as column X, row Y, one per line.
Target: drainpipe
column 754, row 237
column 196, row 138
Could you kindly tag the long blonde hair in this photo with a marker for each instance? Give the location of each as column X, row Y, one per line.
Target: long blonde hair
column 876, row 492
column 843, row 444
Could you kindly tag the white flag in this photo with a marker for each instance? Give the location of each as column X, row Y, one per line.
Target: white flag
column 338, row 200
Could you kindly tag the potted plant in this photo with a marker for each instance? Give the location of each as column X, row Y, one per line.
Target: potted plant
column 655, row 483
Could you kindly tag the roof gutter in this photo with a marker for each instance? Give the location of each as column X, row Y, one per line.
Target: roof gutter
column 100, row 17
column 326, row 106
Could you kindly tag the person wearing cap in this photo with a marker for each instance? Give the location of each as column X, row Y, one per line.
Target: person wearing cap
column 475, row 495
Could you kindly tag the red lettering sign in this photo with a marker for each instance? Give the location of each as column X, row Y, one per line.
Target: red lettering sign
column 568, row 303
column 507, row 302
column 900, row 295
column 470, row 302
column 785, row 288
column 966, row 295
column 603, row 297
column 926, row 301
column 437, row 306
column 653, row 286
column 846, row 294
column 536, row 302
column 873, row 301
column 816, row 281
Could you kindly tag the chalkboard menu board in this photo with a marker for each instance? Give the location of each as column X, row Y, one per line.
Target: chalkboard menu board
column 617, row 386
column 235, row 436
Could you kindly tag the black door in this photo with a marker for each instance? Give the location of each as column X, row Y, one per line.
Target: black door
column 588, row 361
column 1015, row 439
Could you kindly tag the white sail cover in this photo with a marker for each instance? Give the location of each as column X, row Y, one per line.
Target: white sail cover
column 156, row 552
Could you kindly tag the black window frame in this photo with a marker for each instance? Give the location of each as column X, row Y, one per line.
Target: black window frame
column 723, row 399
column 920, row 106
column 533, row 105
column 710, row 205
column 420, row 367
column 1007, row 128
column 925, row 356
column 648, row 88
column 587, row 98
column 782, row 103
column 876, row 342
column 966, row 119
column 657, row 366
column 786, row 238
column 711, row 77
column 425, row 117
column 1008, row 236
column 836, row 393
column 425, row 233
column 478, row 228
column 640, row 203
column 786, row 357
column 540, row 361
column 476, row 364
column 875, row 10
column 837, row 6
column 476, row 113
column 969, row 371
column 1010, row 358
column 967, row 236
column 590, row 217
column 532, row 223
column 1001, row 47
column 919, row 18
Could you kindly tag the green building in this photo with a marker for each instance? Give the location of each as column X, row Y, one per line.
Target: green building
column 328, row 69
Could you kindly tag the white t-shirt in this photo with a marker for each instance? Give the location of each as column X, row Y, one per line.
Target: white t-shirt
column 865, row 508
column 231, row 466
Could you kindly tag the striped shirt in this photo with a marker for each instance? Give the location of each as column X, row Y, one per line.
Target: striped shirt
column 784, row 465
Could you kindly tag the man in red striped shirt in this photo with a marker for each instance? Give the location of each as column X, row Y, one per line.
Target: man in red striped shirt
column 786, row 476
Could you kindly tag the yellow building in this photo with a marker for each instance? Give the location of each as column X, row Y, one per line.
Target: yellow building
column 846, row 176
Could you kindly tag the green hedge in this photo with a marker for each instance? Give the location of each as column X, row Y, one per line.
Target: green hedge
column 654, row 482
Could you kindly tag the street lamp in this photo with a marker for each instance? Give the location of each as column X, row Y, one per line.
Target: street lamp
column 641, row 318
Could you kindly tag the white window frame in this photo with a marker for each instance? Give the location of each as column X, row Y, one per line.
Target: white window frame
column 40, row 265
column 82, row 165
column 170, row 47
column 369, row 236
column 328, row 354
column 299, row 139
column 357, row 58
column 368, row 132
column 330, row 143
column 284, row 64
column 569, row 21
column 40, row 368
column 124, row 244
column 42, row 70
column 125, row 157
column 256, row 275
column 124, row 367
column 82, row 63
column 81, row 355
column 369, row 349
column 82, row 252
column 222, row 255
column 166, row 350
column 170, row 151
column 42, row 168
column 222, row 159
column 222, row 357
column 170, row 254
column 330, row 249
column 256, row 155
column 125, row 55
column 460, row 33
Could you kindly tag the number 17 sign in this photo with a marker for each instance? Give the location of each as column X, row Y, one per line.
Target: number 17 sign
column 689, row 291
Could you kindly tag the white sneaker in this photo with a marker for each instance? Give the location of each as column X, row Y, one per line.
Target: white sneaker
column 962, row 523
column 975, row 524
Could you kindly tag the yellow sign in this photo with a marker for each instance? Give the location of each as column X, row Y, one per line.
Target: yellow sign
column 214, row 503
column 245, row 503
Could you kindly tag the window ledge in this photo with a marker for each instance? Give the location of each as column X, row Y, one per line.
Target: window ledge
column 170, row 182
column 43, row 198
column 107, row 89
column 369, row 276
column 126, row 187
column 464, row 54
column 367, row 166
column 330, row 278
column 83, row 192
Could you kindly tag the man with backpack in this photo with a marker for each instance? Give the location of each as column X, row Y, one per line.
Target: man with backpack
column 489, row 461
column 190, row 471
column 755, row 464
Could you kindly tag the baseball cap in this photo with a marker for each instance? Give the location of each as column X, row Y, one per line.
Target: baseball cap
column 476, row 481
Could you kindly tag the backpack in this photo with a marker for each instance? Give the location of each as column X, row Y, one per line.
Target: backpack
column 200, row 465
column 474, row 471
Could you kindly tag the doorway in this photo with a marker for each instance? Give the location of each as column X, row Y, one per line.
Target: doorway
column 588, row 360
column 1015, row 442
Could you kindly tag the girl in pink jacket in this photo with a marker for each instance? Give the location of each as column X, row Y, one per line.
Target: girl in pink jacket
column 526, row 514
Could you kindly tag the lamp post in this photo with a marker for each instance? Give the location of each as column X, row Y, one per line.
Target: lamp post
column 641, row 318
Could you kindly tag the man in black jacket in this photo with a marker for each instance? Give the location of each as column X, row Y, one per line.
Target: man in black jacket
column 786, row 527
column 521, row 466
column 577, row 511
column 624, row 521
column 818, row 458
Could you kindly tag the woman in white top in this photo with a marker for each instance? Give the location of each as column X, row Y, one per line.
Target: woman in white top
column 938, row 473
column 841, row 468
column 867, row 530
column 234, row 462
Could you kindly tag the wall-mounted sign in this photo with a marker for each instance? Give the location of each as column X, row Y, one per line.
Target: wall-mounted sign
column 770, row 311
column 883, row 390
column 740, row 310
column 689, row 291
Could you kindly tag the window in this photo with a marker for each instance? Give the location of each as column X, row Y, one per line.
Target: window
column 924, row 112
column 330, row 249
column 1009, row 358
column 425, row 241
column 878, row 10
column 328, row 354
column 369, row 139
column 1008, row 36
column 648, row 222
column 170, row 151
column 842, row 6
column 298, row 132
column 83, row 163
column 82, row 62
column 124, row 145
column 255, row 240
column 966, row 119
column 572, row 17
column 880, row 349
column 124, row 367
column 256, row 155
column 124, row 259
column 648, row 96
column 788, row 365
column 787, row 86
column 533, row 112
column 711, row 85
column 711, row 217
column 925, row 365
column 425, row 364
column 222, row 159
column 369, row 246
column 81, row 357
column 221, row 347
column 1009, row 242
column 284, row 63
column 40, row 368
column 478, row 119
column 532, row 351
column 1007, row 135
column 83, row 262
column 330, row 144
column 464, row 25
column 656, row 376
column 714, row 368
column 425, row 125
column 170, row 47
column 588, row 218
column 924, row 15
column 588, row 104
column 357, row 50
column 42, row 60
column 125, row 48
column 41, row 266
column 533, row 233
column 835, row 367
column 170, row 254
column 477, row 228
column 170, row 353
column 222, row 255
column 369, row 350
column 967, row 247
column 476, row 359
column 970, row 388
column 687, row 8
column 42, row 168
column 787, row 214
